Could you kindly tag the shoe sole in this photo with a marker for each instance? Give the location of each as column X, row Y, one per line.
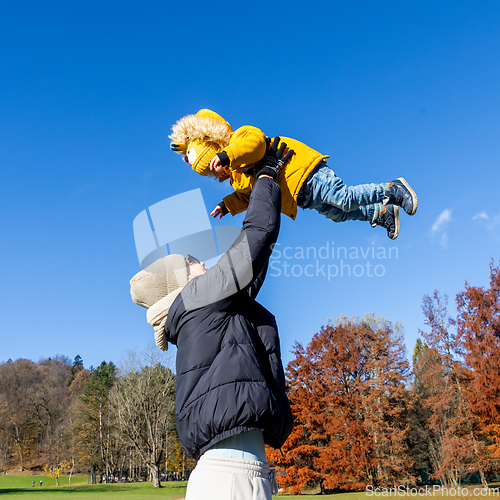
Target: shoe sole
column 396, row 221
column 413, row 195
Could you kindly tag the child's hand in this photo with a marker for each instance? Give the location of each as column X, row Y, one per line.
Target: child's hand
column 219, row 211
column 215, row 164
column 218, row 170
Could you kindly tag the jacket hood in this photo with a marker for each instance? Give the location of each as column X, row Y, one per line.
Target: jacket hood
column 212, row 114
column 205, row 126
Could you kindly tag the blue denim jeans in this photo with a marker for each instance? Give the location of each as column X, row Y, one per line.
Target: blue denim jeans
column 325, row 192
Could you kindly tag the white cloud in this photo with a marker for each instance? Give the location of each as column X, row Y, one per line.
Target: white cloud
column 481, row 215
column 490, row 222
column 438, row 229
column 442, row 221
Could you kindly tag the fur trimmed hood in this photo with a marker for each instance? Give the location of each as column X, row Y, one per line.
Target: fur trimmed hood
column 205, row 127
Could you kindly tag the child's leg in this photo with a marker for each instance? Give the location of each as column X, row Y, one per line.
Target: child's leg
column 377, row 215
column 325, row 188
column 369, row 213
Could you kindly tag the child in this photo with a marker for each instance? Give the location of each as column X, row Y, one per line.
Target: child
column 211, row 147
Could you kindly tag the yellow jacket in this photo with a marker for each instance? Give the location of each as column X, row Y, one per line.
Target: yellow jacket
column 247, row 146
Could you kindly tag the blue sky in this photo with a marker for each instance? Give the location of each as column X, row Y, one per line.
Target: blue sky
column 89, row 91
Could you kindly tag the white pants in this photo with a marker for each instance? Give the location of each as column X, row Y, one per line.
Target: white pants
column 217, row 478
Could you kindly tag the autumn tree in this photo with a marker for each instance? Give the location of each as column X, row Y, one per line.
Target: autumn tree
column 19, row 426
column 144, row 409
column 48, row 402
column 54, row 471
column 418, row 353
column 347, row 390
column 419, row 435
column 4, row 442
column 177, row 460
column 454, row 444
column 77, row 412
column 33, row 396
column 478, row 337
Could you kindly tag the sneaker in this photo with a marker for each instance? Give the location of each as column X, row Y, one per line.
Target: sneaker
column 401, row 194
column 390, row 220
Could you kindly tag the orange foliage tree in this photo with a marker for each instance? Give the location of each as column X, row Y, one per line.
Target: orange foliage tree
column 348, row 395
column 453, row 432
column 478, row 334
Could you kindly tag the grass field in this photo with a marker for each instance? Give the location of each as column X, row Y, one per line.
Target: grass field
column 20, row 487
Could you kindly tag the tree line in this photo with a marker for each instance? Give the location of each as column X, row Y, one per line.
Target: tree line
column 363, row 414
column 114, row 424
column 364, row 417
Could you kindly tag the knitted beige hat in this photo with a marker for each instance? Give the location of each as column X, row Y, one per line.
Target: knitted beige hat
column 156, row 288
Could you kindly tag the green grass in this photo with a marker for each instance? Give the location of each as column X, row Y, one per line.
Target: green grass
column 20, row 487
column 361, row 495
column 339, row 496
column 24, row 481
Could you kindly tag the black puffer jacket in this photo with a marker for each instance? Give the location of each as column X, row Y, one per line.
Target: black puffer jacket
column 230, row 377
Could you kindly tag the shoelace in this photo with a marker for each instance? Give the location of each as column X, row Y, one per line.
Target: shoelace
column 272, row 477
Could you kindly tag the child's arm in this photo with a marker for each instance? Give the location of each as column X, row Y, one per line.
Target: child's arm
column 235, row 203
column 248, row 145
column 238, row 201
column 219, row 211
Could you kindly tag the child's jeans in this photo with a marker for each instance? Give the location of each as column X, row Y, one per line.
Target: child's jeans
column 325, row 192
